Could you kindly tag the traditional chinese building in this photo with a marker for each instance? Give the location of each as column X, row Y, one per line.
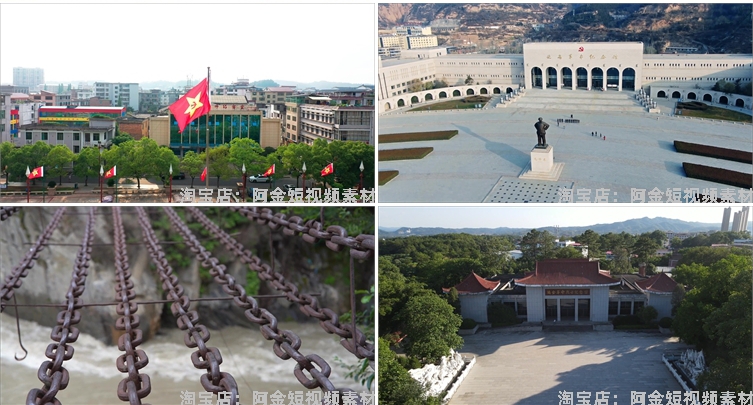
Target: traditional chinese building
column 572, row 290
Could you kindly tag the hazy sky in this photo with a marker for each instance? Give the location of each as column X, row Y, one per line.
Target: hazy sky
column 151, row 42
column 535, row 217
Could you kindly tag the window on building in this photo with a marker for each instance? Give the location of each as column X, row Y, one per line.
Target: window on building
column 60, row 136
column 76, row 136
column 637, row 305
column 613, row 307
column 625, row 307
column 44, row 136
column 28, row 136
column 522, row 308
column 76, row 148
column 96, row 137
column 87, row 137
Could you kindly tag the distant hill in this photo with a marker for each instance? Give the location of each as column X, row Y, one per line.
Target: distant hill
column 167, row 85
column 632, row 226
column 711, row 27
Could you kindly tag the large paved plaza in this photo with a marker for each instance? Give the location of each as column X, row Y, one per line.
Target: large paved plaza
column 493, row 147
column 531, row 368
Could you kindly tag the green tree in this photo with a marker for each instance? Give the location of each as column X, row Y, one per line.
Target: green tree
column 146, row 160
column 396, row 386
column 219, row 163
column 621, row 261
column 192, row 164
column 121, row 156
column 431, row 326
column 37, row 154
column 645, row 247
column 121, row 137
column 87, row 164
column 57, row 161
column 590, row 239
column 537, row 245
column 568, row 252
column 647, row 314
column 293, row 156
column 715, row 315
column 245, row 151
column 165, row 158
column 469, row 80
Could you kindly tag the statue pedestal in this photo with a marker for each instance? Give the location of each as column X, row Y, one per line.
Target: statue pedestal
column 542, row 166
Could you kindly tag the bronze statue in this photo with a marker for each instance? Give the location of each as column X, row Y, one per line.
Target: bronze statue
column 541, row 128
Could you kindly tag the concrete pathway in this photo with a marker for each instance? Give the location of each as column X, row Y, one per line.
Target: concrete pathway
column 495, row 144
column 531, row 368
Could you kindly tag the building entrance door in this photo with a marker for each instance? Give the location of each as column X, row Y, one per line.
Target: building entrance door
column 584, row 309
column 567, row 309
column 551, row 310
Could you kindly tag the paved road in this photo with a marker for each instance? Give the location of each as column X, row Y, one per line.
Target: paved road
column 531, row 368
column 495, row 144
column 90, row 193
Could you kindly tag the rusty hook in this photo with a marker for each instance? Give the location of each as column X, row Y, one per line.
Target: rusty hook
column 18, row 328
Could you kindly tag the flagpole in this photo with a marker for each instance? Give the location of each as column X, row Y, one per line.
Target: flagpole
column 197, row 123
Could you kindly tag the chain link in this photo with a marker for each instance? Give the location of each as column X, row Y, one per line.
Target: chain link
column 6, row 212
column 207, row 358
column 309, row 305
column 136, row 386
column 287, row 342
column 336, row 237
column 13, row 280
column 52, row 373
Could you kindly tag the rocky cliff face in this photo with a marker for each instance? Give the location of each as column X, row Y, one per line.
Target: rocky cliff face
column 313, row 268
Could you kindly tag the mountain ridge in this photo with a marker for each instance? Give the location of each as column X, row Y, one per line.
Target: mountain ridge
column 633, row 226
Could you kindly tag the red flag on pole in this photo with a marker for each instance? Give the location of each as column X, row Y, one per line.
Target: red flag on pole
column 192, row 105
column 328, row 170
column 37, row 173
column 270, row 171
column 204, row 174
column 111, row 172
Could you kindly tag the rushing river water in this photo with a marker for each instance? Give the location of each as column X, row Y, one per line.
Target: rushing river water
column 246, row 355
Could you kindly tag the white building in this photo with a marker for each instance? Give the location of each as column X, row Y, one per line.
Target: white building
column 607, row 66
column 572, row 290
column 30, row 77
column 119, row 94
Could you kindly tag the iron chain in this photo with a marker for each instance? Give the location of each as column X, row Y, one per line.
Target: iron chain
column 13, row 280
column 287, row 342
column 207, row 358
column 6, row 212
column 336, row 237
column 309, row 305
column 52, row 373
column 136, row 386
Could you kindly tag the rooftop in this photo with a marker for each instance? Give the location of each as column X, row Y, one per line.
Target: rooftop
column 474, row 284
column 567, row 272
column 228, row 100
column 659, row 283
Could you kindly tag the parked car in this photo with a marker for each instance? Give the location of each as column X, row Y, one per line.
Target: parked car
column 179, row 176
column 259, row 178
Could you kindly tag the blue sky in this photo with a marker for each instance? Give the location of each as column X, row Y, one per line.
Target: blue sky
column 540, row 216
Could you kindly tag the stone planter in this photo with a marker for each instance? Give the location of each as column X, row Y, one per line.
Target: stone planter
column 466, row 332
column 51, row 191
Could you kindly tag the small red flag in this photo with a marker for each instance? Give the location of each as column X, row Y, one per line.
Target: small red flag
column 204, row 174
column 192, row 105
column 328, row 170
column 111, row 172
column 36, row 173
column 270, row 171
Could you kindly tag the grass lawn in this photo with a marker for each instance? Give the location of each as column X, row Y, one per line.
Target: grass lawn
column 717, row 113
column 387, row 175
column 417, row 136
column 402, row 154
column 468, row 102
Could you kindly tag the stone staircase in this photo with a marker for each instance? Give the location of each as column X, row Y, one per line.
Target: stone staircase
column 574, row 101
